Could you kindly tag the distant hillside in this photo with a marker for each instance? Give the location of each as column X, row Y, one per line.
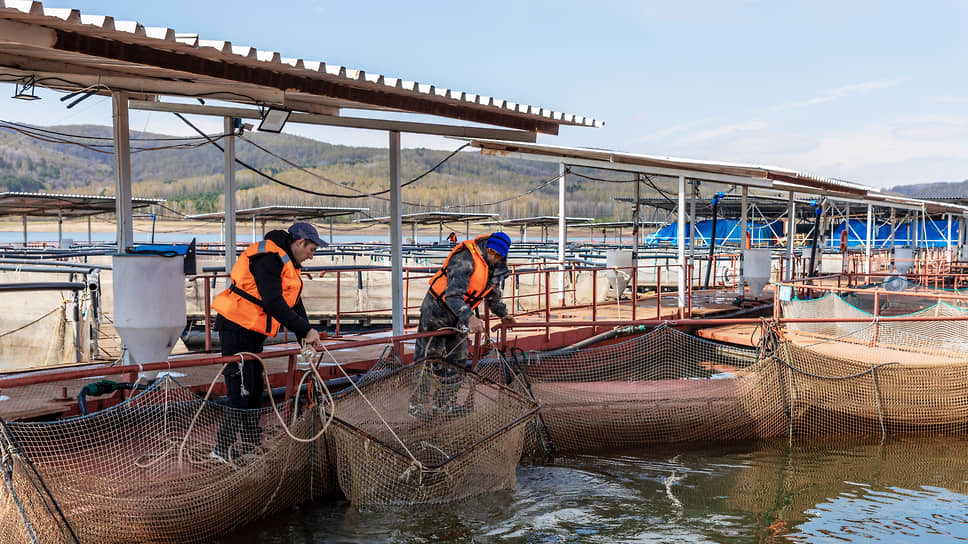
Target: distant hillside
column 191, row 179
column 934, row 190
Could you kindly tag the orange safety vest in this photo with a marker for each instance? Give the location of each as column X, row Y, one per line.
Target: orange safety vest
column 240, row 303
column 477, row 287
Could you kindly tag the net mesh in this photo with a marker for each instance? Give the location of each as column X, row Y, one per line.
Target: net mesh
column 142, row 471
column 941, row 339
column 824, row 395
column 427, row 433
column 664, row 386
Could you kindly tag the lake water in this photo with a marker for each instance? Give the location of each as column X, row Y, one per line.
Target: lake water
column 905, row 490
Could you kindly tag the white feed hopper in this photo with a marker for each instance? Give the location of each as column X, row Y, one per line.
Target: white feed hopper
column 149, row 304
column 756, row 269
column 903, row 259
column 618, row 279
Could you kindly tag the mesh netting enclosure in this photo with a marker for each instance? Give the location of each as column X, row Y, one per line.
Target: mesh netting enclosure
column 427, row 433
column 827, row 396
column 141, row 471
column 945, row 339
column 663, row 386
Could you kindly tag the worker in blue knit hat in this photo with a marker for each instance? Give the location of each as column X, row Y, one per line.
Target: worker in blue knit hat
column 473, row 272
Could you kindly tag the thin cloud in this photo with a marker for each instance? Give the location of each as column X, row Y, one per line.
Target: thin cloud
column 845, row 91
column 727, row 130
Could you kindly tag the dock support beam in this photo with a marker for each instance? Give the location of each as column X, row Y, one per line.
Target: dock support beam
column 228, row 154
column 791, row 232
column 681, row 244
column 870, row 240
column 743, row 234
column 122, row 171
column 396, row 238
column 562, row 233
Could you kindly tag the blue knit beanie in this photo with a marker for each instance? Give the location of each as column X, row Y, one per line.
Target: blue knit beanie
column 500, row 243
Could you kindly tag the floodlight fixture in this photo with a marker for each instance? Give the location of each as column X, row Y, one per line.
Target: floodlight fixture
column 25, row 89
column 273, row 120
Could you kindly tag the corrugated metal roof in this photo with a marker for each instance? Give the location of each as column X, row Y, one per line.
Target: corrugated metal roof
column 54, row 205
column 544, row 220
column 432, row 218
column 281, row 212
column 692, row 167
column 165, row 49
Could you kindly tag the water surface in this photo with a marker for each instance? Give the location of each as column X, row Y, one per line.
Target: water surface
column 905, row 490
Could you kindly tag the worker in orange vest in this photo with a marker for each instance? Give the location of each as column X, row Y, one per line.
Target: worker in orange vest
column 264, row 295
column 473, row 272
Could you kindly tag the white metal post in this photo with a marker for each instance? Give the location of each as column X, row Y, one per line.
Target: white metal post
column 636, row 220
column 744, row 202
column 562, row 233
column 396, row 237
column 791, row 232
column 228, row 154
column 681, row 244
column 870, row 236
column 122, row 171
column 949, row 238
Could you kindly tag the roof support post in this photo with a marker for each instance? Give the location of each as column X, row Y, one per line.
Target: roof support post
column 396, row 237
column 791, row 232
column 228, row 155
column 692, row 220
column 893, row 226
column 637, row 220
column 330, row 230
column 870, row 237
column 60, row 227
column 949, row 238
column 89, row 230
column 122, row 170
column 254, row 239
column 744, row 203
column 681, row 244
column 25, row 229
column 562, row 232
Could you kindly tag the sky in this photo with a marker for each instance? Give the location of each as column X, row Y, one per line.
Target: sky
column 874, row 92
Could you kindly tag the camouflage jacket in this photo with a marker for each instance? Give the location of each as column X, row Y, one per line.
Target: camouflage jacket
column 459, row 270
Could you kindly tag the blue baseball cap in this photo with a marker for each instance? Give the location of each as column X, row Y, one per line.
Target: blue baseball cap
column 301, row 231
column 500, row 243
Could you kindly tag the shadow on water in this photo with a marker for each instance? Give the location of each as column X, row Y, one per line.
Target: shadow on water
column 909, row 489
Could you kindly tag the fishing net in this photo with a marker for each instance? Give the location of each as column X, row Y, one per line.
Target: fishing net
column 663, row 386
column 426, row 433
column 824, row 395
column 48, row 328
column 945, row 339
column 142, row 471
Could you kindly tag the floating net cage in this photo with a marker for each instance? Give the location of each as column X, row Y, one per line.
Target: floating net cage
column 660, row 387
column 426, row 433
column 141, row 471
column 940, row 339
column 823, row 395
